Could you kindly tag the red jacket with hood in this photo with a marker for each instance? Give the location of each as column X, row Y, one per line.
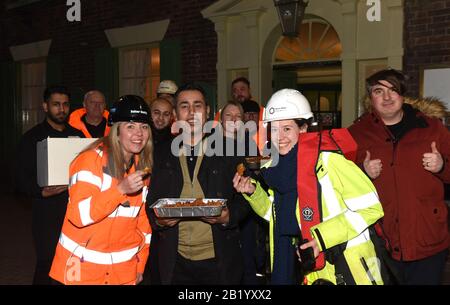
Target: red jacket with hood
column 415, row 221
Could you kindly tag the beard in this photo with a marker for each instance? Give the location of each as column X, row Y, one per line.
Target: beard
column 59, row 118
column 241, row 98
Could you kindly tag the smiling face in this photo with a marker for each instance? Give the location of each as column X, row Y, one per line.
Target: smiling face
column 133, row 137
column 285, row 134
column 161, row 112
column 192, row 108
column 387, row 102
column 231, row 119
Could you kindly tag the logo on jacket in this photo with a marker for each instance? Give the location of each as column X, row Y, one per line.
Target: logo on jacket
column 307, row 214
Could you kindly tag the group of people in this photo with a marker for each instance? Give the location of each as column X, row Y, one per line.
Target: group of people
column 363, row 205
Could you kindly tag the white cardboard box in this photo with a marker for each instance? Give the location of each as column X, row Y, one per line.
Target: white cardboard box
column 54, row 156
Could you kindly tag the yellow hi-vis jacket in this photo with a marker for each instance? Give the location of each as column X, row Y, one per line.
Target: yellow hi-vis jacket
column 350, row 204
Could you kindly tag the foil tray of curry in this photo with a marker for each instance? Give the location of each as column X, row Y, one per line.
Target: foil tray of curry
column 188, row 207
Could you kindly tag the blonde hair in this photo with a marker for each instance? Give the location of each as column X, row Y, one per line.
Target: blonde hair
column 113, row 149
column 232, row 103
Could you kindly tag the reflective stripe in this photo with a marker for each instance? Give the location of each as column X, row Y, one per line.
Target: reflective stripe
column 331, row 201
column 106, row 184
column 360, row 239
column 85, row 211
column 268, row 214
column 362, row 202
column 333, row 207
column 96, row 257
column 144, row 193
column 148, row 237
column 357, row 221
column 325, row 156
column 121, row 211
column 99, row 152
column 86, row 176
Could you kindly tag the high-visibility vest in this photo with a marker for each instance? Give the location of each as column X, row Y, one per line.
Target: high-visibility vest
column 76, row 122
column 310, row 144
column 349, row 205
column 106, row 235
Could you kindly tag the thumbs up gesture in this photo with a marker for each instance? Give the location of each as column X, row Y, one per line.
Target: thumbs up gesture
column 432, row 161
column 372, row 167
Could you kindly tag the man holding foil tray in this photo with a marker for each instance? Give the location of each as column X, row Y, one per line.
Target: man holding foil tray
column 202, row 250
column 188, row 207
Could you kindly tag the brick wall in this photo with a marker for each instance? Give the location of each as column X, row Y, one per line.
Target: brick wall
column 427, row 34
column 77, row 41
column 427, row 37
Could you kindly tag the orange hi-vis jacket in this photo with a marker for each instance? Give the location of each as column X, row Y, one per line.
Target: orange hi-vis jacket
column 259, row 137
column 106, row 235
column 76, row 122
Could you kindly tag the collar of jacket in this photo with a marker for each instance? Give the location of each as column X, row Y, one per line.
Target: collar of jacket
column 412, row 117
column 205, row 137
column 160, row 135
column 50, row 127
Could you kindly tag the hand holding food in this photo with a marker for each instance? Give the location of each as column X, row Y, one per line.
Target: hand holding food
column 131, row 183
column 240, row 169
column 147, row 171
column 243, row 184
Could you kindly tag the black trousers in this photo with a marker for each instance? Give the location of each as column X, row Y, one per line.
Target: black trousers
column 46, row 225
column 253, row 239
column 151, row 273
column 427, row 271
column 188, row 272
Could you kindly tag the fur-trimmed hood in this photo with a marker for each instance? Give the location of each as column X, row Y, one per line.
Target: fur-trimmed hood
column 430, row 106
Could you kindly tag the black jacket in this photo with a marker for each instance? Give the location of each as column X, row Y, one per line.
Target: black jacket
column 48, row 213
column 215, row 177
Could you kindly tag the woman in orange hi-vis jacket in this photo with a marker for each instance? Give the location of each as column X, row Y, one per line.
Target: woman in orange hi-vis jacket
column 106, row 234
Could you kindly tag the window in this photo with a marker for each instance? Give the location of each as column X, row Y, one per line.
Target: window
column 33, row 81
column 325, row 102
column 316, row 41
column 140, row 71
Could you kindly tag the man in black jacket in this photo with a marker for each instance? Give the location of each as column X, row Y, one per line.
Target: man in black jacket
column 48, row 203
column 161, row 113
column 206, row 250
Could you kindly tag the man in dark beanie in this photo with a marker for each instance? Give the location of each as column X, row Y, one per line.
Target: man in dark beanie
column 251, row 111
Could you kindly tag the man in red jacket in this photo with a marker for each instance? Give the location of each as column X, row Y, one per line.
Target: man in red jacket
column 406, row 153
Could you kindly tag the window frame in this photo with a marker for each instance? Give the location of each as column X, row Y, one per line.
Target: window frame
column 123, row 50
column 21, row 86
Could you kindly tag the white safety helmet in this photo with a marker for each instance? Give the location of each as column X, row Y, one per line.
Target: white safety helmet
column 167, row 86
column 287, row 104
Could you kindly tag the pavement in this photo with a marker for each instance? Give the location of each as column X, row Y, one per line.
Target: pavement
column 17, row 252
column 17, row 257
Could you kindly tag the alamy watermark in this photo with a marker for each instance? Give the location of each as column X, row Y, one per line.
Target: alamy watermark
column 374, row 11
column 216, row 145
column 74, row 12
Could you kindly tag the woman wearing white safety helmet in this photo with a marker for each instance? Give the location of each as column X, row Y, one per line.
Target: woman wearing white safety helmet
column 341, row 202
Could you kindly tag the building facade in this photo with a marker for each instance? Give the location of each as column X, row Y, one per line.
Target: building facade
column 127, row 47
